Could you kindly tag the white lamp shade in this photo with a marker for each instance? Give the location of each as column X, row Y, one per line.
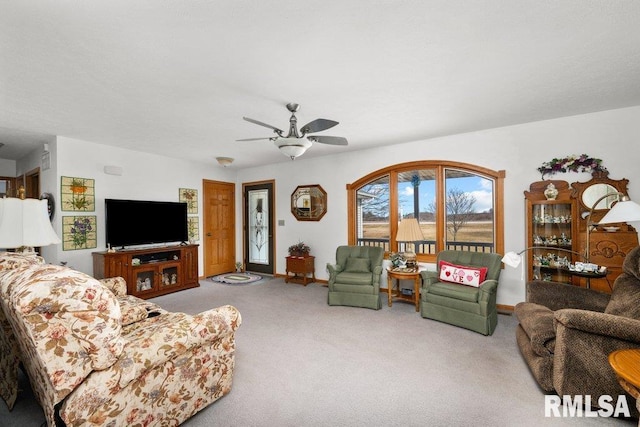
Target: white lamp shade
column 623, row 211
column 25, row 222
column 292, row 147
column 512, row 259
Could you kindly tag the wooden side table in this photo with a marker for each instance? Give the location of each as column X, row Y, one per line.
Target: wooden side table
column 403, row 274
column 301, row 267
column 626, row 365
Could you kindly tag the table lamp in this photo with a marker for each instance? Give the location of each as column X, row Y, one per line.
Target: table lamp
column 409, row 232
column 24, row 224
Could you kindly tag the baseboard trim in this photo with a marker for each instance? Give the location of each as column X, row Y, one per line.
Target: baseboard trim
column 505, row 309
column 318, row 281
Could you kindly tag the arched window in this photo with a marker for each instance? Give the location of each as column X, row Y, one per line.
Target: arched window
column 457, row 205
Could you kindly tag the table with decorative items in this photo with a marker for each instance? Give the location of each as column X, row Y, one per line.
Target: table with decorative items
column 301, row 267
column 404, row 273
column 626, row 365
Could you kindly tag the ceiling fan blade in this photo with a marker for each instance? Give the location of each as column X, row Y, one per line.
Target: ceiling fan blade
column 318, row 125
column 332, row 140
column 253, row 139
column 256, row 122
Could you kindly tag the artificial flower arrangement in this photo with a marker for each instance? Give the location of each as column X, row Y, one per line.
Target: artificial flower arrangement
column 397, row 259
column 582, row 163
column 299, row 249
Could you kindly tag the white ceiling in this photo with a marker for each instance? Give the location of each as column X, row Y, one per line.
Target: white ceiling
column 176, row 77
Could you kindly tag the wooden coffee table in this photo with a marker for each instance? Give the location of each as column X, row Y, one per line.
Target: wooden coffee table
column 403, row 274
column 626, row 365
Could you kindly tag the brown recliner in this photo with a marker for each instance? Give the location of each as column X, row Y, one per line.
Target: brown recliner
column 566, row 333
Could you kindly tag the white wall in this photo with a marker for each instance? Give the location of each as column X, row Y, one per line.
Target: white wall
column 611, row 136
column 145, row 177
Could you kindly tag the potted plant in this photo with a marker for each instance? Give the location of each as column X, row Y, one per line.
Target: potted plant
column 299, row 249
column 238, row 267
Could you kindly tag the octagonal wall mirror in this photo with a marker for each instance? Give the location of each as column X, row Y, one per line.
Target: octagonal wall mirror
column 309, row 203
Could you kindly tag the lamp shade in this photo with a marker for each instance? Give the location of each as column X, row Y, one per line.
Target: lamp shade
column 292, row 147
column 623, row 211
column 512, row 259
column 409, row 231
column 25, row 222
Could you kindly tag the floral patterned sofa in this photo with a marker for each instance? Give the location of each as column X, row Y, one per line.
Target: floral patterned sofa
column 96, row 356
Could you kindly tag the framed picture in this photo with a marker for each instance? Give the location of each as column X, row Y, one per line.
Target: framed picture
column 77, row 194
column 193, row 228
column 79, row 232
column 190, row 197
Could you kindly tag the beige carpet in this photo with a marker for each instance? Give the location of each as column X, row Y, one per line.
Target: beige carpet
column 300, row 362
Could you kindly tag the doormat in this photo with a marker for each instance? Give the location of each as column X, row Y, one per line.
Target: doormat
column 236, row 278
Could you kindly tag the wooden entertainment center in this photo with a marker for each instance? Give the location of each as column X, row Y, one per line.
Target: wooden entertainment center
column 150, row 272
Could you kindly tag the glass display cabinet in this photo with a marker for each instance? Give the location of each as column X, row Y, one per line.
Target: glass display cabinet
column 551, row 232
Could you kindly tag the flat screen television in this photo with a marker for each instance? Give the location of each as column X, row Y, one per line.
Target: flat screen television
column 141, row 222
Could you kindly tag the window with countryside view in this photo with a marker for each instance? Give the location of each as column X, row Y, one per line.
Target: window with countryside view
column 457, row 206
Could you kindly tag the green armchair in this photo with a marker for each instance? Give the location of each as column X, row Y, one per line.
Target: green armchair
column 461, row 305
column 354, row 279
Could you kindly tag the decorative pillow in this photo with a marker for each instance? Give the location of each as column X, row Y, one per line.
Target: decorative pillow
column 463, row 275
column 14, row 260
column 357, row 265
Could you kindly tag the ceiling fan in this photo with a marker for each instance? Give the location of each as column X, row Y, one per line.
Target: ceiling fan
column 295, row 143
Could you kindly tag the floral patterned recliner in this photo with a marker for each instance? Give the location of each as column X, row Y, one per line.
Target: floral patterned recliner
column 96, row 356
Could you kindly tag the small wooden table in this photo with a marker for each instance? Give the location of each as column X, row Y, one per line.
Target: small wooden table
column 403, row 274
column 301, row 267
column 626, row 365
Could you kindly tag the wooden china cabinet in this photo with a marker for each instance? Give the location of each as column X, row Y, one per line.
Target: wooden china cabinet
column 609, row 244
column 551, row 229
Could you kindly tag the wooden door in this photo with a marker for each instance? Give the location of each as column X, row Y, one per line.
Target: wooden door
column 259, row 217
column 219, row 242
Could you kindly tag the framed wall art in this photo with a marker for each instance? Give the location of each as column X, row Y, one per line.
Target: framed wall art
column 79, row 232
column 190, row 197
column 193, row 229
column 77, row 194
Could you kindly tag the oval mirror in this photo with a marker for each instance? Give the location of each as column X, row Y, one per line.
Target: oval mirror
column 594, row 192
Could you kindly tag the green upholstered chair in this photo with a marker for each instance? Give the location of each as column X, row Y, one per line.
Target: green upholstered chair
column 466, row 306
column 354, row 279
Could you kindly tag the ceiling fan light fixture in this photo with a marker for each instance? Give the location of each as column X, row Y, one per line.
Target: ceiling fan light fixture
column 224, row 161
column 292, row 147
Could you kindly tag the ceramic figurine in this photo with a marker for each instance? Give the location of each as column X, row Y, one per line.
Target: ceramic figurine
column 551, row 192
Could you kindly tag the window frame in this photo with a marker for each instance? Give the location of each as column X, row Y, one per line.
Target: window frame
column 440, row 166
